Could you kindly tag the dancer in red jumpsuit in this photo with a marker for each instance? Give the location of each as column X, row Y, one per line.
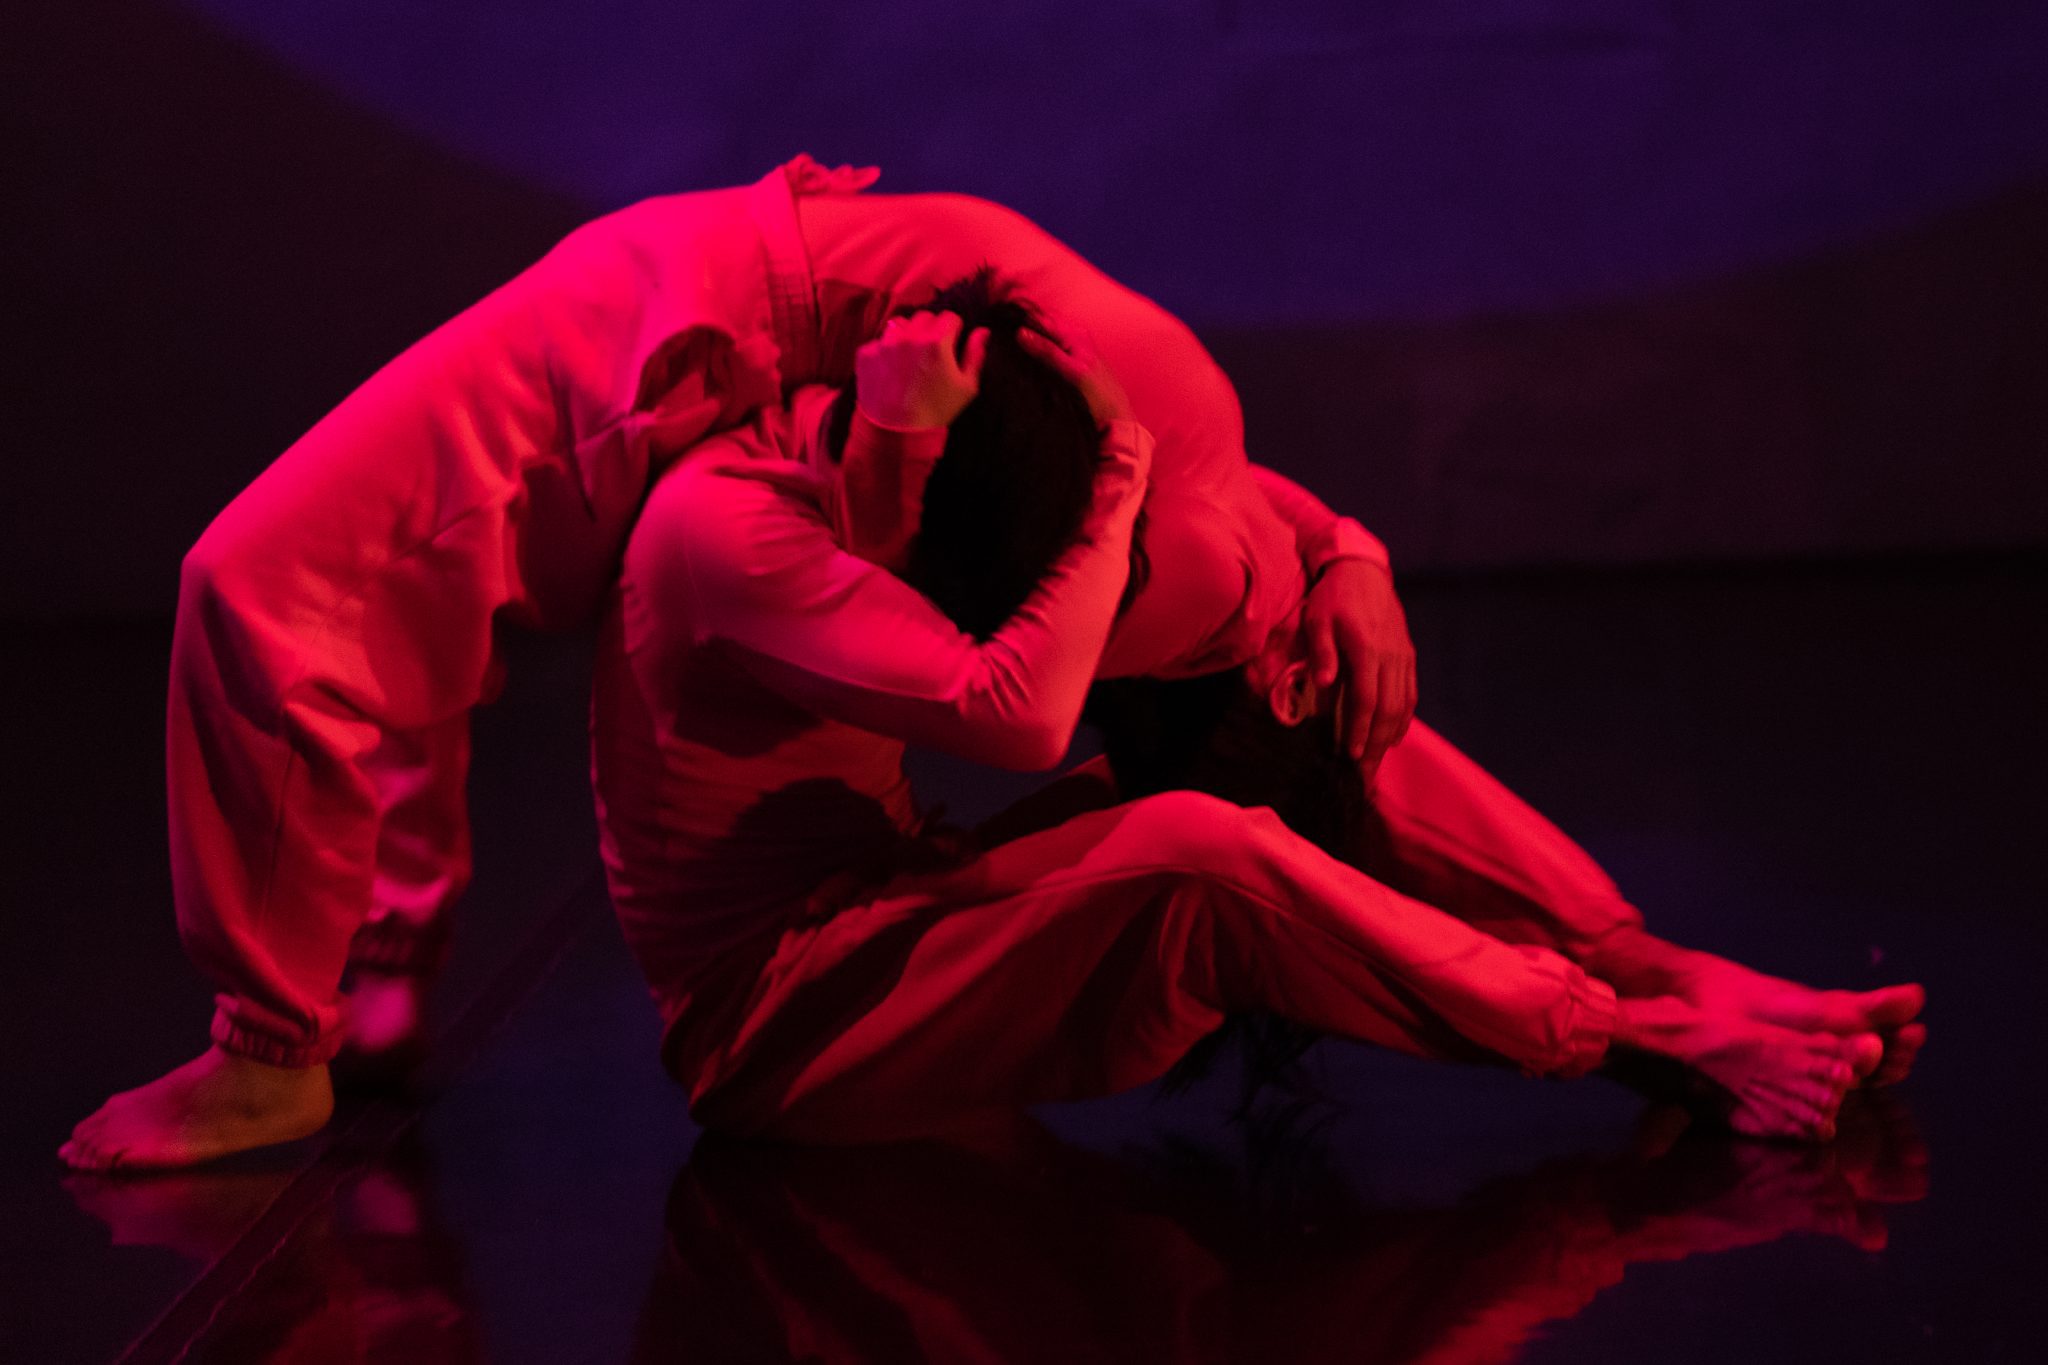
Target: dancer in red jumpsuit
column 829, row 972
column 336, row 622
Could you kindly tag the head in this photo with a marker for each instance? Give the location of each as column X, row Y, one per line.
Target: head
column 1017, row 474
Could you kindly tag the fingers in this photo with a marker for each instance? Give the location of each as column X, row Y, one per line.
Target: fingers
column 917, row 373
column 1067, row 337
column 1050, row 352
column 1361, row 703
column 1396, row 706
column 976, row 357
column 1364, row 696
column 1322, row 648
column 1064, row 346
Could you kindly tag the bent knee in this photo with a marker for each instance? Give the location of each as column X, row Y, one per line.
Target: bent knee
column 1197, row 830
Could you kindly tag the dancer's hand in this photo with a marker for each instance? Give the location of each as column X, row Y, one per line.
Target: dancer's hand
column 1070, row 351
column 916, row 374
column 1354, row 630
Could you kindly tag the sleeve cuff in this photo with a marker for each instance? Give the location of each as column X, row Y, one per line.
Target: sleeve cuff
column 935, row 436
column 1346, row 539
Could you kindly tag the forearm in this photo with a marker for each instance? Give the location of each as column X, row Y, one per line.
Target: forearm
column 883, row 471
column 852, row 642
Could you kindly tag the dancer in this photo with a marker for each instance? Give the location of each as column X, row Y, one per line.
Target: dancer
column 831, row 970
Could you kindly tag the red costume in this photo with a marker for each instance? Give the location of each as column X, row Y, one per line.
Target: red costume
column 335, row 622
column 827, row 971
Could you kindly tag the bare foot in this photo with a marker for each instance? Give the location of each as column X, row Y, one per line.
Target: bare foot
column 1762, row 1080
column 1774, row 1000
column 1639, row 964
column 1720, row 986
column 213, row 1105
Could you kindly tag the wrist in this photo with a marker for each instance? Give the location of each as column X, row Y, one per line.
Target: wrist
column 904, row 422
column 1341, row 540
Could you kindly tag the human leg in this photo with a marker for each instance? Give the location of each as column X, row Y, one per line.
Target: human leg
column 1442, row 830
column 320, row 612
column 1448, row 832
column 422, row 868
column 1087, row 958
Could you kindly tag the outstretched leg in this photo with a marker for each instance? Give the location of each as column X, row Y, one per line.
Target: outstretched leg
column 1087, row 958
column 1439, row 828
column 1451, row 834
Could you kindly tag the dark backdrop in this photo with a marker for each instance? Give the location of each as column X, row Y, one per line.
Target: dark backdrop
column 1522, row 282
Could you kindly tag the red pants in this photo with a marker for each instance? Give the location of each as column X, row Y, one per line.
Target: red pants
column 335, row 622
column 1087, row 958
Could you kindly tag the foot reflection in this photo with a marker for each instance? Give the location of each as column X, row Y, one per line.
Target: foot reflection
column 368, row 1274
column 1007, row 1245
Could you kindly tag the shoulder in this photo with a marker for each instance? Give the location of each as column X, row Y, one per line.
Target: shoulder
column 726, row 520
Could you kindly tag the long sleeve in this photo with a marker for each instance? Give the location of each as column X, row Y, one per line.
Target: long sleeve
column 759, row 573
column 1322, row 535
column 882, row 474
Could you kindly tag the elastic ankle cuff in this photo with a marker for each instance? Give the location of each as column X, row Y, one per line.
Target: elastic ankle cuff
column 245, row 1042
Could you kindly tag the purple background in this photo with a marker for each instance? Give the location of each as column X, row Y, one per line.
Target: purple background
column 1521, row 283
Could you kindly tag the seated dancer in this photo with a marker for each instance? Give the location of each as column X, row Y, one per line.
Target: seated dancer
column 829, row 968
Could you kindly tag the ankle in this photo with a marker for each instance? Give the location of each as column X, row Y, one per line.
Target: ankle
column 1638, row 964
column 250, row 1077
column 1662, row 1024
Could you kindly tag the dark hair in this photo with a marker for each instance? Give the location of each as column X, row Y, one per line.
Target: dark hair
column 1016, row 476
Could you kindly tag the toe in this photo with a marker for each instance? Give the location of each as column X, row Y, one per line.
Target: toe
column 1901, row 1050
column 1850, row 1012
column 1839, row 1012
column 1894, row 1005
column 1832, row 1071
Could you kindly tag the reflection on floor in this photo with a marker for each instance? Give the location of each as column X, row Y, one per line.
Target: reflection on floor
column 1829, row 772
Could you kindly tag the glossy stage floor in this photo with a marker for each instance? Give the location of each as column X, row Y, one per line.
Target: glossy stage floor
column 1832, row 772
